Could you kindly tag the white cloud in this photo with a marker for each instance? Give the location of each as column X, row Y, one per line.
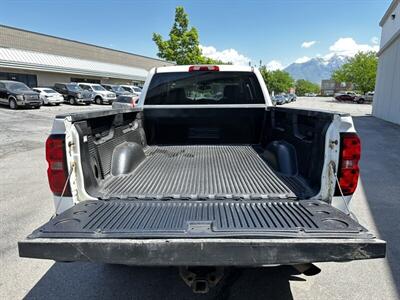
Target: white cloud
column 348, row 47
column 227, row 55
column 308, row 44
column 345, row 46
column 274, row 65
column 301, row 60
column 375, row 40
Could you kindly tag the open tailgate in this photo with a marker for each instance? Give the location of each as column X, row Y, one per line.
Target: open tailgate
column 206, row 233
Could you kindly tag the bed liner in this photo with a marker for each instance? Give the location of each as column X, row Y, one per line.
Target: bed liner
column 204, row 172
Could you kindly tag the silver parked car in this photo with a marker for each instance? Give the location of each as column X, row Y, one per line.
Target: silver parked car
column 117, row 89
column 279, row 99
column 125, row 102
column 292, row 97
column 99, row 94
column 367, row 98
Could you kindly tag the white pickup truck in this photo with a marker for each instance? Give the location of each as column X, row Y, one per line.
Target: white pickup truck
column 204, row 172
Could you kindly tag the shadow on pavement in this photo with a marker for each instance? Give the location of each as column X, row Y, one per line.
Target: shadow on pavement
column 347, row 102
column 86, row 280
column 380, row 175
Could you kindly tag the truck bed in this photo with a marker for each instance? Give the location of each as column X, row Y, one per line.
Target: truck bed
column 227, row 182
column 204, row 171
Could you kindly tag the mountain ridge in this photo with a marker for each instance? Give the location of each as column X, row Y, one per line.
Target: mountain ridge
column 316, row 68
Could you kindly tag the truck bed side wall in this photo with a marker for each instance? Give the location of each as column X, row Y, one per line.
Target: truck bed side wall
column 290, row 140
column 304, row 130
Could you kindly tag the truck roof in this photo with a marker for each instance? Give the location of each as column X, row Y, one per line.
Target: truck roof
column 185, row 68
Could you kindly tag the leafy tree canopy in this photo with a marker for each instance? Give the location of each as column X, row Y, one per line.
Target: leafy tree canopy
column 183, row 44
column 277, row 81
column 304, row 86
column 360, row 70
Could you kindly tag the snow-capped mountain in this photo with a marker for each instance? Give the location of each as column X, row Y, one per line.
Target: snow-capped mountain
column 317, row 68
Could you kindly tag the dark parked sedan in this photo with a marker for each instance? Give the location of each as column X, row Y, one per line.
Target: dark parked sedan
column 16, row 94
column 348, row 96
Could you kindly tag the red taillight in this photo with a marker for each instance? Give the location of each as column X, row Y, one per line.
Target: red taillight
column 350, row 153
column 203, row 68
column 134, row 101
column 57, row 171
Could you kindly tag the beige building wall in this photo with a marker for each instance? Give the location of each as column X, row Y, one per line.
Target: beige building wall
column 20, row 71
column 49, row 79
column 118, row 81
column 26, row 40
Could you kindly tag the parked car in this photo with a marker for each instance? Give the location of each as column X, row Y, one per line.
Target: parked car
column 125, row 101
column 117, row 89
column 286, row 96
column 310, row 94
column 49, row 96
column 99, row 94
column 346, row 96
column 17, row 94
column 178, row 182
column 292, row 97
column 73, row 94
column 279, row 99
column 135, row 90
column 368, row 97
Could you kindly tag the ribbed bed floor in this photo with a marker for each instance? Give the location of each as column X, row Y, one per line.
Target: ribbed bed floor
column 197, row 172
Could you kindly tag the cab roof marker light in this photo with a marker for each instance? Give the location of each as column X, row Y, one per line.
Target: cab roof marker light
column 203, row 68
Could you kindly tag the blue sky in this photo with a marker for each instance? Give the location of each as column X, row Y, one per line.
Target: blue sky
column 270, row 30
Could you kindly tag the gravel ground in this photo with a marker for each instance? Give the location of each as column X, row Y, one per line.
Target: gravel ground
column 26, row 203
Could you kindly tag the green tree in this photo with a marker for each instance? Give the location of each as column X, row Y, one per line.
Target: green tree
column 183, row 44
column 304, row 86
column 277, row 81
column 359, row 70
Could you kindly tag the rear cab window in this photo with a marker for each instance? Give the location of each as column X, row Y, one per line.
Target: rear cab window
column 204, row 87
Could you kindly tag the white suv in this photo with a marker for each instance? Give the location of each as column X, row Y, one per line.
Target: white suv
column 99, row 94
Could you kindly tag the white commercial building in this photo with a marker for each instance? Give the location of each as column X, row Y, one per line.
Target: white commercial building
column 386, row 103
column 41, row 60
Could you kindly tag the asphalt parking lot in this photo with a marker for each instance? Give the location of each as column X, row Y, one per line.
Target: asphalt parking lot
column 26, row 203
